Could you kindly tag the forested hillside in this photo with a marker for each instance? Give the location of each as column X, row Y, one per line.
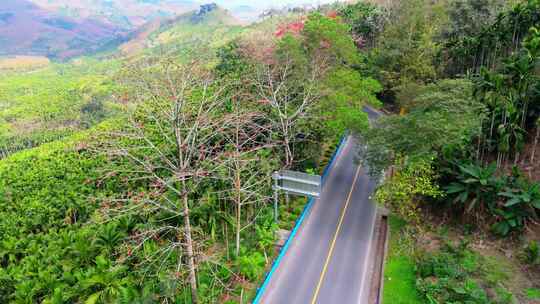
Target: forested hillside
column 142, row 175
column 167, row 200
column 43, row 101
column 54, row 102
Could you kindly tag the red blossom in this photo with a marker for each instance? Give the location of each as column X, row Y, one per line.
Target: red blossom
column 332, row 14
column 291, row 28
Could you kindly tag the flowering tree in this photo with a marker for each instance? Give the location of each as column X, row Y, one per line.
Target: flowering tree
column 173, row 142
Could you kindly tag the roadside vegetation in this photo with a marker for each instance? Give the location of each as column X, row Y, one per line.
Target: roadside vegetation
column 400, row 274
column 460, row 151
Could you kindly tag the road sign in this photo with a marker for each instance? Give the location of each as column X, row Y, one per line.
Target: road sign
column 297, row 183
column 292, row 182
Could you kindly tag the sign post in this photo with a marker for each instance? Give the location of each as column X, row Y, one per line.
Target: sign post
column 292, row 182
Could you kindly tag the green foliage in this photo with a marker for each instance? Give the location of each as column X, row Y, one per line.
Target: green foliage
column 46, row 253
column 533, row 293
column 453, row 273
column 476, row 187
column 531, row 253
column 400, row 276
column 479, row 190
column 325, row 50
column 509, row 94
column 477, row 38
column 345, row 89
column 327, row 35
column 457, row 274
column 444, row 113
column 404, row 190
column 49, row 104
column 399, row 270
column 366, row 21
column 189, row 37
column 252, row 265
column 210, row 276
column 266, row 235
column 405, row 50
column 109, row 237
column 230, row 61
column 468, row 18
column 58, row 246
column 348, row 91
column 447, row 276
column 520, row 198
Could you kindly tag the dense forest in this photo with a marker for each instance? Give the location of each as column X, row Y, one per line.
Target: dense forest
column 143, row 176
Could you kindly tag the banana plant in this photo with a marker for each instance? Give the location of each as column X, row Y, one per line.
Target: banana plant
column 475, row 186
column 520, row 201
column 510, row 219
column 527, row 195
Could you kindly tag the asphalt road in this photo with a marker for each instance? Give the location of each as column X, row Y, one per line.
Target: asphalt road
column 327, row 261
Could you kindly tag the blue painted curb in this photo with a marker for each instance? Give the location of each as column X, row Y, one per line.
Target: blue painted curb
column 336, row 153
column 299, row 221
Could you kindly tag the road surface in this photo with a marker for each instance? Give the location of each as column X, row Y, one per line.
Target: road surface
column 327, row 261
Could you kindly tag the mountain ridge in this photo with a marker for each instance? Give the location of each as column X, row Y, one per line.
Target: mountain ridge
column 203, row 22
column 27, row 29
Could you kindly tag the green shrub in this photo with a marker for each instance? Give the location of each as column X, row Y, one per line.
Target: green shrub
column 411, row 181
column 512, row 199
column 447, row 276
column 251, row 265
column 531, row 253
column 533, row 293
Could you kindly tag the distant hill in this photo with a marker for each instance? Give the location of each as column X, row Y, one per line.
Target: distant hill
column 63, row 29
column 210, row 25
column 27, row 29
column 129, row 14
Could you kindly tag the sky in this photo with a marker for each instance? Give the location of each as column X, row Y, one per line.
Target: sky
column 261, row 5
column 266, row 4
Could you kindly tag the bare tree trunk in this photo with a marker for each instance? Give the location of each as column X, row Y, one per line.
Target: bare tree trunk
column 479, row 146
column 226, row 235
column 535, row 144
column 288, row 153
column 238, row 228
column 492, row 126
column 238, row 211
column 190, row 254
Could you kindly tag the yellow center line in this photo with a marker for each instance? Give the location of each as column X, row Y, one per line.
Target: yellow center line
column 332, row 245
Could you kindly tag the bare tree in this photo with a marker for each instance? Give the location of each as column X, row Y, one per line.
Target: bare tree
column 292, row 92
column 173, row 143
column 247, row 172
